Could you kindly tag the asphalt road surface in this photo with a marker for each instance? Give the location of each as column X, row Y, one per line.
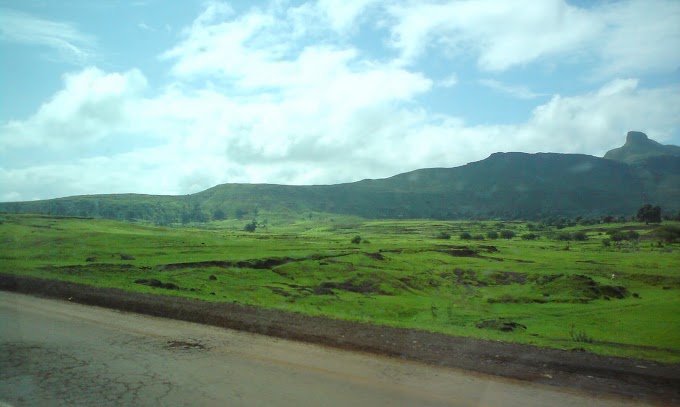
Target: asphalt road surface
column 56, row 353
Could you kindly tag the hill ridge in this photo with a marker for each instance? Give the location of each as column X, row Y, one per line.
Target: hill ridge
column 639, row 146
column 508, row 185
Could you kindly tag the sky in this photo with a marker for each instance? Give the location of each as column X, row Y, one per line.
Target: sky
column 158, row 97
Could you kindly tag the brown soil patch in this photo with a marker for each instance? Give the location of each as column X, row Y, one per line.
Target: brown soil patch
column 258, row 264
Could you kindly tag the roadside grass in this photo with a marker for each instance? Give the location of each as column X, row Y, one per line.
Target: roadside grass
column 625, row 298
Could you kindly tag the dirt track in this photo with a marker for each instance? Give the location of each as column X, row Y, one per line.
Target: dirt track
column 585, row 373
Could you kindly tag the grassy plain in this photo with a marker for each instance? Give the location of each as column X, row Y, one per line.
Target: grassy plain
column 618, row 300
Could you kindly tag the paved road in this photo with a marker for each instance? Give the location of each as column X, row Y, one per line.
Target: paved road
column 56, row 353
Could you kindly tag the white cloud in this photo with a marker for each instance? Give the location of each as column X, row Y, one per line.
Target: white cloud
column 503, row 34
column 624, row 37
column 449, row 82
column 145, row 27
column 206, row 138
column 91, row 106
column 596, row 122
column 643, row 36
column 518, row 91
column 252, row 100
column 343, row 14
column 69, row 43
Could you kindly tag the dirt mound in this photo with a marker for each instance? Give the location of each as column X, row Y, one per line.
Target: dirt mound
column 152, row 282
column 500, row 324
column 105, row 267
column 375, row 256
column 461, row 252
column 486, row 278
column 366, row 286
column 582, row 288
column 258, row 264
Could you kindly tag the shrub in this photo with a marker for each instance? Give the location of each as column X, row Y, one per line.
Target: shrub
column 563, row 237
column 632, row 235
column 465, row 236
column 618, row 235
column 668, row 233
column 219, row 214
column 250, row 227
column 606, row 242
column 443, row 235
column 478, row 237
column 578, row 335
column 507, row 234
column 529, row 236
column 492, row 235
column 579, row 236
column 356, row 239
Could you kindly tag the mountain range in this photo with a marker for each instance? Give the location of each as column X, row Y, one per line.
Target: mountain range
column 503, row 186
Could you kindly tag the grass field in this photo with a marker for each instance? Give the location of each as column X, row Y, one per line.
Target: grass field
column 616, row 300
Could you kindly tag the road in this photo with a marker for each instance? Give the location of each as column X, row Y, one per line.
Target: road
column 58, row 353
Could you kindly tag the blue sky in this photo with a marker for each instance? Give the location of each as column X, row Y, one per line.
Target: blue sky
column 160, row 97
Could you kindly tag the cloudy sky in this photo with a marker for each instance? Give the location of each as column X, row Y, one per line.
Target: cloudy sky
column 159, row 97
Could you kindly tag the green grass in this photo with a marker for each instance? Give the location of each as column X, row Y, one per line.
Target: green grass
column 404, row 276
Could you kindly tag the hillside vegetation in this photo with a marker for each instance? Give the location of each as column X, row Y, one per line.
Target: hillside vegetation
column 607, row 288
column 503, row 186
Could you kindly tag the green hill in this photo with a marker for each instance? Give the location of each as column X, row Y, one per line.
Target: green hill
column 639, row 147
column 504, row 185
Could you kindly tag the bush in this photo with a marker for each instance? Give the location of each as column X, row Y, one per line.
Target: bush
column 579, row 236
column 443, row 235
column 618, row 235
column 529, row 236
column 507, row 234
column 356, row 239
column 250, row 227
column 632, row 235
column 565, row 237
column 578, row 335
column 478, row 237
column 606, row 242
column 465, row 236
column 492, row 235
column 669, row 234
column 219, row 214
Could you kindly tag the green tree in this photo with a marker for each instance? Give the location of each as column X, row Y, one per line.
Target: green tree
column 185, row 217
column 250, row 227
column 219, row 214
column 507, row 234
column 492, row 235
column 465, row 236
column 197, row 214
column 579, row 236
column 240, row 213
column 565, row 237
column 649, row 214
column 356, row 239
column 668, row 233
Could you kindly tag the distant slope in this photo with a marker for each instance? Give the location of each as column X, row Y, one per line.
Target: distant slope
column 504, row 185
column 639, row 147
